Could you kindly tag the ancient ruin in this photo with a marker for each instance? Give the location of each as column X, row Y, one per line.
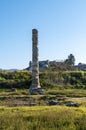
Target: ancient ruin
column 35, row 87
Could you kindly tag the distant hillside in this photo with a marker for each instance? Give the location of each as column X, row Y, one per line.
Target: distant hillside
column 9, row 70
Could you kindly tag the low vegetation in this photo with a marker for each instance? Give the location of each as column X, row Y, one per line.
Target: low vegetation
column 48, row 79
column 43, row 118
column 18, row 113
column 22, row 97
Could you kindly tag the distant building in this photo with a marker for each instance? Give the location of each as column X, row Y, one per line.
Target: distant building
column 43, row 65
column 58, row 65
column 81, row 66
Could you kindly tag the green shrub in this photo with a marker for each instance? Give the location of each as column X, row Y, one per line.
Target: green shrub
column 48, row 79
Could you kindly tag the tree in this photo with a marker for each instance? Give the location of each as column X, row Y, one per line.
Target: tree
column 70, row 60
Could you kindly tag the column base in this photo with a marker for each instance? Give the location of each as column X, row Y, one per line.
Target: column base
column 35, row 90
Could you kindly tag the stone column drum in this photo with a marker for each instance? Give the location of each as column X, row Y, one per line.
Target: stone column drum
column 35, row 87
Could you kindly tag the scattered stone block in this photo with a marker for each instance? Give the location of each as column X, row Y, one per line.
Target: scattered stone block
column 72, row 104
column 35, row 91
column 13, row 90
column 53, row 102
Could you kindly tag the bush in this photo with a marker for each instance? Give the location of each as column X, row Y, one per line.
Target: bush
column 23, row 79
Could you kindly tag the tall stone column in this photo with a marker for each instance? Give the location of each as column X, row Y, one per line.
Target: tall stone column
column 35, row 87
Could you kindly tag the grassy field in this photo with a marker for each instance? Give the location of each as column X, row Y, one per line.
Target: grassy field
column 43, row 118
column 22, row 97
column 18, row 113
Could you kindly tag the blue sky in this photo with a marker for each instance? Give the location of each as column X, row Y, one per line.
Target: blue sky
column 61, row 25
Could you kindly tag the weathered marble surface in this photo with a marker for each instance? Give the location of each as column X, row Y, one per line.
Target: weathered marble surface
column 35, row 87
